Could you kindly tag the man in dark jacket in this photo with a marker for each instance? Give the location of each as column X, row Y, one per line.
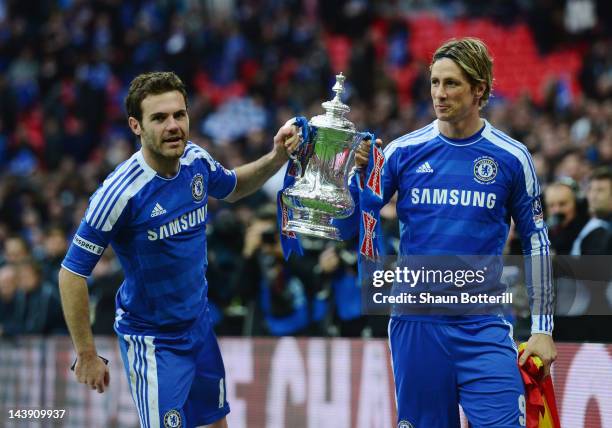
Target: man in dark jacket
column 595, row 238
column 12, row 302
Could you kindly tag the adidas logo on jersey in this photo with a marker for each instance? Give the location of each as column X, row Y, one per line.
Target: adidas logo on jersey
column 158, row 210
column 425, row 168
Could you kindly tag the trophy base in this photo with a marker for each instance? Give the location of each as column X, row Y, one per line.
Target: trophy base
column 317, row 230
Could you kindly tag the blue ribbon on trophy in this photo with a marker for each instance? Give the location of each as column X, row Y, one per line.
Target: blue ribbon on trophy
column 290, row 240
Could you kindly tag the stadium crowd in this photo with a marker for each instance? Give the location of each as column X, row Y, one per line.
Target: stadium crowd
column 251, row 65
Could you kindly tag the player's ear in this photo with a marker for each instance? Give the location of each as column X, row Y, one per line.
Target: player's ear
column 134, row 125
column 479, row 89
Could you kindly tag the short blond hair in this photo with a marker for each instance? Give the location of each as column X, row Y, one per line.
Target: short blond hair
column 472, row 56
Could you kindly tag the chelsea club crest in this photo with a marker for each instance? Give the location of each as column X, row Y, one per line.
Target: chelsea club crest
column 172, row 419
column 485, row 170
column 197, row 187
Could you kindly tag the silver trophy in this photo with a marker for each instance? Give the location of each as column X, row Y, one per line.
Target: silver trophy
column 320, row 194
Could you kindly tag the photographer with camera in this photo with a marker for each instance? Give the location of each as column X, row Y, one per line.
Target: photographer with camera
column 288, row 302
column 337, row 270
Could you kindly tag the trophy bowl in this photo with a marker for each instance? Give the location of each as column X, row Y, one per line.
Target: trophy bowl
column 320, row 194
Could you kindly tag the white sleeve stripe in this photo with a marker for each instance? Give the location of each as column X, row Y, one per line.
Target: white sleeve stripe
column 527, row 154
column 105, row 203
column 530, row 179
column 536, row 187
column 537, row 319
column 413, row 134
column 129, row 180
column 196, row 152
column 527, row 157
column 190, row 147
column 549, row 280
column 100, row 200
column 536, row 276
column 540, row 282
column 547, row 289
column 544, row 279
column 410, row 140
column 108, row 184
column 126, row 193
column 545, row 283
column 416, row 133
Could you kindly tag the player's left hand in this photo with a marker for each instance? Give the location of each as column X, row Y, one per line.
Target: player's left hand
column 543, row 346
column 362, row 154
column 287, row 140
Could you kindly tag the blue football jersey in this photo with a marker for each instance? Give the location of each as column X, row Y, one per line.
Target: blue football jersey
column 157, row 228
column 457, row 196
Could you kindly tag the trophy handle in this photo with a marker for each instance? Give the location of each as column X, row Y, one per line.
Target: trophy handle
column 299, row 154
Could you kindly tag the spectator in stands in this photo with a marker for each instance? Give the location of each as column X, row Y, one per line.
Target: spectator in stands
column 573, row 165
column 596, row 236
column 587, row 299
column 596, row 68
column 42, row 313
column 564, row 221
column 12, row 302
column 54, row 249
column 16, row 250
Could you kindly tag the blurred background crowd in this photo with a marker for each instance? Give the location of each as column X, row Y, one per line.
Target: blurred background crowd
column 249, row 65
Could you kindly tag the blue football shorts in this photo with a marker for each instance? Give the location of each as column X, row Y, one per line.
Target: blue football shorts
column 176, row 380
column 438, row 365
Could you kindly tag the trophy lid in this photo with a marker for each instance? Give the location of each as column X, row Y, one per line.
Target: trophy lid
column 335, row 109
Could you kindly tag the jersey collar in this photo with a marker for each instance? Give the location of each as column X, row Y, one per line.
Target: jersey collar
column 147, row 167
column 464, row 141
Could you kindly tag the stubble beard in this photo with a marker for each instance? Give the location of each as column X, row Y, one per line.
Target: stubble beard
column 155, row 147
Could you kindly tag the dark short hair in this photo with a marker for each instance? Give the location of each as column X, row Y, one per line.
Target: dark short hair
column 601, row 173
column 153, row 83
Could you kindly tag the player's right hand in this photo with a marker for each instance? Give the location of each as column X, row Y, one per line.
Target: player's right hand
column 362, row 154
column 93, row 372
column 287, row 139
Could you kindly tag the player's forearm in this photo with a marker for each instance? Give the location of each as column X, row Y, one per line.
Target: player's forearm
column 75, row 304
column 252, row 176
